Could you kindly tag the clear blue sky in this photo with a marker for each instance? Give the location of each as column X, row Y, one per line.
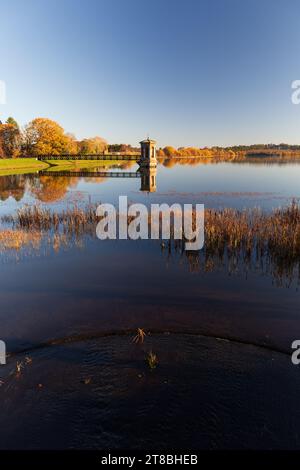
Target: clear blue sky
column 192, row 72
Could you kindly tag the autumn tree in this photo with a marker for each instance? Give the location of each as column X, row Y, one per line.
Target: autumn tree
column 13, row 122
column 73, row 143
column 160, row 153
column 92, row 146
column 169, row 151
column 2, row 155
column 123, row 148
column 45, row 137
column 10, row 140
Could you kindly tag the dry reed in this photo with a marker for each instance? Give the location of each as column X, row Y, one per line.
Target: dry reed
column 230, row 234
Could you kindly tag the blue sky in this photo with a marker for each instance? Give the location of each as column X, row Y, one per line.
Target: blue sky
column 192, row 72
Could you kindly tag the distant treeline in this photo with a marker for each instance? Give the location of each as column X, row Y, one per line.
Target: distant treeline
column 256, row 150
column 43, row 136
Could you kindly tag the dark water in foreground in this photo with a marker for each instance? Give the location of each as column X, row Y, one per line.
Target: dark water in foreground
column 205, row 393
column 223, row 339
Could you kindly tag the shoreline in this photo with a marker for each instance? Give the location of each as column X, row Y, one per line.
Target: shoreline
column 15, row 166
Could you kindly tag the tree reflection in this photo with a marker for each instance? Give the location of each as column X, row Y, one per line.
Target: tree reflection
column 12, row 186
column 50, row 189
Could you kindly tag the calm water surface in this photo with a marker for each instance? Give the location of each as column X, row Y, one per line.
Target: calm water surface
column 222, row 336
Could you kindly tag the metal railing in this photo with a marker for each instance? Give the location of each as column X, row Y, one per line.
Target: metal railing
column 92, row 174
column 110, row 156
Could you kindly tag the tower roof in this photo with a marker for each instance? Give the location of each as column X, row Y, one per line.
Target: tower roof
column 147, row 141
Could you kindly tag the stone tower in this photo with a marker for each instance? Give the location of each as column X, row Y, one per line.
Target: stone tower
column 148, row 153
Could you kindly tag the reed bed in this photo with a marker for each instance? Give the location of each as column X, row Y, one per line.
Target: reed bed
column 74, row 220
column 277, row 233
column 250, row 236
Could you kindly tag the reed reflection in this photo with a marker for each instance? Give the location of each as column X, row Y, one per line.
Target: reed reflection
column 234, row 240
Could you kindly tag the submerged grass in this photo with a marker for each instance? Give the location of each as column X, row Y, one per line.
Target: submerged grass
column 152, row 360
column 139, row 337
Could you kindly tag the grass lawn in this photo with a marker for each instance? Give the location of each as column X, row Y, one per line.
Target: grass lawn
column 15, row 166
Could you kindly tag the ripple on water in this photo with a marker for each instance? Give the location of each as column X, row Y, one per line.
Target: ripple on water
column 100, row 393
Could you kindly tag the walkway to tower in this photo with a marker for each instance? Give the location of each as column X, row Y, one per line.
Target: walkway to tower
column 100, row 156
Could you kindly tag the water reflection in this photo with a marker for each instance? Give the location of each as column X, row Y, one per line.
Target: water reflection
column 234, row 240
column 240, row 160
column 219, row 184
column 148, row 179
column 220, row 326
column 12, row 186
column 52, row 186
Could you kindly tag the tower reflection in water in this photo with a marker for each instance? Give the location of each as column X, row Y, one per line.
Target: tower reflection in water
column 148, row 179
